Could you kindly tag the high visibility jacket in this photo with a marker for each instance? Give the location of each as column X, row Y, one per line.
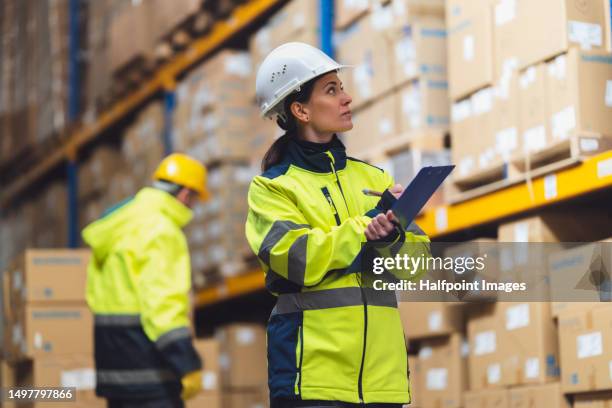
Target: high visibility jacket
column 330, row 337
column 138, row 287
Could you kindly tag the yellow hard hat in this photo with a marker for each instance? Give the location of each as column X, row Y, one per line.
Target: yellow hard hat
column 181, row 169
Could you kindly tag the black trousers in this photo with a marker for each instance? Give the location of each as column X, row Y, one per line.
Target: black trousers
column 327, row 404
column 137, row 403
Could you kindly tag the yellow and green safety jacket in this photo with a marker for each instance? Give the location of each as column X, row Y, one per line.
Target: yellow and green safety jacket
column 330, row 338
column 138, row 287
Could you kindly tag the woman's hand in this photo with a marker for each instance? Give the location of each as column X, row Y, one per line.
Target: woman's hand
column 396, row 190
column 380, row 226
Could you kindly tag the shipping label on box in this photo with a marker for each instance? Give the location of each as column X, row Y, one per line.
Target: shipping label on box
column 586, row 25
column 419, row 50
column 44, row 331
column 586, row 355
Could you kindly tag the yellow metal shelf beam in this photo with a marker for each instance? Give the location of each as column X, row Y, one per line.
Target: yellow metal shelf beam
column 163, row 79
column 589, row 176
column 231, row 288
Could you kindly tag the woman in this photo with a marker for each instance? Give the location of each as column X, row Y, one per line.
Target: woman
column 332, row 341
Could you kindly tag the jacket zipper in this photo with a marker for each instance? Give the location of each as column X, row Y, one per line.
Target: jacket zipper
column 365, row 336
column 325, row 192
column 363, row 296
column 300, row 348
column 332, row 161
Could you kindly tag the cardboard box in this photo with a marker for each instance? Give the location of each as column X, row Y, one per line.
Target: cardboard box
column 586, row 24
column 534, row 130
column 97, row 170
column 479, row 248
column 75, row 370
column 579, row 275
column 347, row 11
column 594, row 400
column 167, row 15
column 506, row 117
column 487, row 399
column 253, row 398
column 42, row 331
column 443, row 365
column 579, row 100
column 463, row 128
column 423, row 104
column 555, row 226
column 209, row 351
column 131, row 22
column 50, row 275
column 206, row 399
column 506, row 33
column 297, row 16
column 243, row 355
column 418, row 50
column 470, row 49
column 484, row 330
column 366, row 46
column 430, row 319
column 529, row 349
column 472, row 133
column 586, row 354
column 548, row 395
column 415, row 376
column 558, row 308
column 415, row 9
column 375, row 123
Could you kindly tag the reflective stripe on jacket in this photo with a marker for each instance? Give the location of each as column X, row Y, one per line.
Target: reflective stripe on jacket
column 138, row 288
column 330, row 337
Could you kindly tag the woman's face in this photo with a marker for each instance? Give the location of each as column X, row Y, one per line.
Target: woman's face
column 328, row 109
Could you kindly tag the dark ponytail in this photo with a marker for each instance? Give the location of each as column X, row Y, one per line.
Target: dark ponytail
column 276, row 152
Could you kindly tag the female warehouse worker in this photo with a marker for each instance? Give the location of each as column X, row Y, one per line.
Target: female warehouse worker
column 331, row 341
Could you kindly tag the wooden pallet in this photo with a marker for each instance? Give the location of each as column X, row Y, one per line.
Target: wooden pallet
column 141, row 67
column 525, row 167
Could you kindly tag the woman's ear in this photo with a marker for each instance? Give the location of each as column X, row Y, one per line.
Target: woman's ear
column 300, row 112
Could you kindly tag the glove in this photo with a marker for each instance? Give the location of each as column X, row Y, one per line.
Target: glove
column 192, row 384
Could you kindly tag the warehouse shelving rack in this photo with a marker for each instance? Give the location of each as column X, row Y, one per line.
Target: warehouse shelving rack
column 162, row 81
column 585, row 178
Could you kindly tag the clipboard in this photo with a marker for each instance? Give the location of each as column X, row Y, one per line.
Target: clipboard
column 418, row 192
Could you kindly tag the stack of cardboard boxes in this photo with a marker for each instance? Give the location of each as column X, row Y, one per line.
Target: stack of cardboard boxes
column 216, row 235
column 397, row 82
column 213, row 122
column 44, row 299
column 34, row 74
column 42, row 221
column 212, row 118
column 540, row 350
column 235, row 371
column 438, row 372
column 523, row 97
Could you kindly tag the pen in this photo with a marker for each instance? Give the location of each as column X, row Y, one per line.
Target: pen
column 369, row 192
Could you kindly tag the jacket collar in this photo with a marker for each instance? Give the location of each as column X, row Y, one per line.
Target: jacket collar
column 314, row 156
column 167, row 204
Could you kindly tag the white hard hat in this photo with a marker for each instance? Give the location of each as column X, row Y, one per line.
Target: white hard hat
column 284, row 70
